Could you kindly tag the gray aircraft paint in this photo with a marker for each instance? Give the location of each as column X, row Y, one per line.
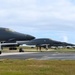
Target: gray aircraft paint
column 8, row 35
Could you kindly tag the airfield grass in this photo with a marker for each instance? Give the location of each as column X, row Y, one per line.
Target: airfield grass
column 37, row 67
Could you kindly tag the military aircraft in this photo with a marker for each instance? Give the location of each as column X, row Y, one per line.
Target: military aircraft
column 46, row 43
column 9, row 37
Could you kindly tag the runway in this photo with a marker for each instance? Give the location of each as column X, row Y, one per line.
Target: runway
column 39, row 56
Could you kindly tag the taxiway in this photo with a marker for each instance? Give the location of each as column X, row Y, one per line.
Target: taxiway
column 39, row 56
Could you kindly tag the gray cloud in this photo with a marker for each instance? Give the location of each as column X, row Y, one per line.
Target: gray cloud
column 39, row 15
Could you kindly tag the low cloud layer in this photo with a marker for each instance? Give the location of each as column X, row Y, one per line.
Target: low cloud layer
column 48, row 14
column 38, row 16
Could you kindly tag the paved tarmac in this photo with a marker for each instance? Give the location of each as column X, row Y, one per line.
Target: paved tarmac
column 39, row 56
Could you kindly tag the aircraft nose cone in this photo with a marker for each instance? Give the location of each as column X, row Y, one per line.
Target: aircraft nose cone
column 33, row 37
column 30, row 37
column 24, row 37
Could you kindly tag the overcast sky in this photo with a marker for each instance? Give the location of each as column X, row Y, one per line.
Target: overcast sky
column 53, row 19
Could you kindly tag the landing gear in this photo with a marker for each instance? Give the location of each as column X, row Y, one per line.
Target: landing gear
column 46, row 47
column 12, row 48
column 21, row 50
column 0, row 52
column 0, row 48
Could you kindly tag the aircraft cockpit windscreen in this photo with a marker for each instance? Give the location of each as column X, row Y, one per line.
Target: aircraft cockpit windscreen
column 9, row 30
column 50, row 39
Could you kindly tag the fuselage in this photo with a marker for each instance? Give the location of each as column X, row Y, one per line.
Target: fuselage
column 42, row 41
column 8, row 35
column 46, row 41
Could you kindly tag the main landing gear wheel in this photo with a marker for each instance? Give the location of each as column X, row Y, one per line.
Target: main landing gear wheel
column 0, row 52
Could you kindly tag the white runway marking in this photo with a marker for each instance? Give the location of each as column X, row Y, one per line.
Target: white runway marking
column 5, row 54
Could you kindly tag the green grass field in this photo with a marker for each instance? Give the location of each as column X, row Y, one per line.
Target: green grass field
column 37, row 67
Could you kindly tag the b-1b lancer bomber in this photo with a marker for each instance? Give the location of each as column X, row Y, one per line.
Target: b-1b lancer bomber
column 46, row 43
column 10, row 37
